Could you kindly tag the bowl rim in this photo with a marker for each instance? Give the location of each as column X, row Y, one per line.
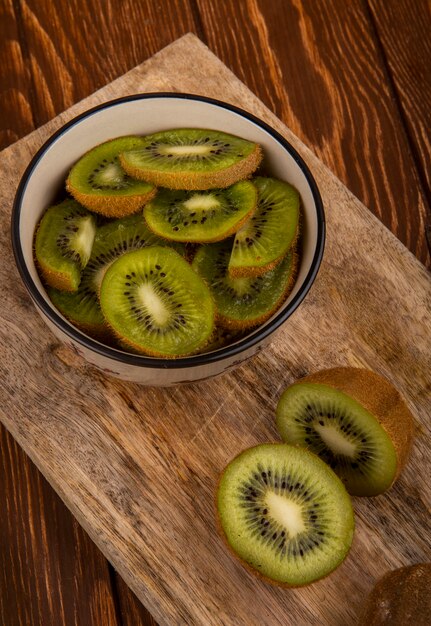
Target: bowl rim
column 141, row 360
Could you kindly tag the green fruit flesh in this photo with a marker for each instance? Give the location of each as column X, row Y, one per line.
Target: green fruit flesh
column 156, row 303
column 111, row 241
column 270, row 232
column 243, row 302
column 201, row 216
column 63, row 242
column 342, row 432
column 99, row 172
column 188, row 150
column 285, row 513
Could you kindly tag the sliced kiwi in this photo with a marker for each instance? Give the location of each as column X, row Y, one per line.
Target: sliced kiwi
column 201, row 216
column 401, row 598
column 99, row 182
column 265, row 239
column 111, row 241
column 243, row 302
column 355, row 420
column 285, row 514
column 156, row 303
column 192, row 158
column 221, row 337
column 63, row 243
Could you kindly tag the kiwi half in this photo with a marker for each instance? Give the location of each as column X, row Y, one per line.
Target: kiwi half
column 99, row 182
column 400, row 598
column 243, row 302
column 355, row 420
column 268, row 235
column 63, row 244
column 111, row 241
column 285, row 514
column 192, row 158
column 202, row 216
column 156, row 303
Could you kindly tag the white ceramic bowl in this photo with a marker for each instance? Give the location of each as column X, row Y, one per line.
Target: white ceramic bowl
column 139, row 115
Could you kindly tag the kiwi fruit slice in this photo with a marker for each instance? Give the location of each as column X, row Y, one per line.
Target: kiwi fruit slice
column 203, row 216
column 192, row 158
column 355, row 420
column 285, row 514
column 63, row 243
column 111, row 241
column 156, row 303
column 99, row 182
column 267, row 236
column 220, row 338
column 400, row 598
column 243, row 302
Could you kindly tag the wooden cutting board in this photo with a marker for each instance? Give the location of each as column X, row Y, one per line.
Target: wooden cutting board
column 138, row 466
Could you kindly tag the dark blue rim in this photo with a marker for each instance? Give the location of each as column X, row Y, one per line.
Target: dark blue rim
column 191, row 361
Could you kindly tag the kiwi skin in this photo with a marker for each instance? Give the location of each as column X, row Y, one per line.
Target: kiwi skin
column 401, row 597
column 58, row 280
column 198, row 181
column 247, row 566
column 106, row 205
column 236, row 325
column 380, row 398
column 109, row 206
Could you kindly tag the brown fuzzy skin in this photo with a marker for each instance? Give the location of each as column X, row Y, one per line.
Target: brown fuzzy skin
column 247, row 324
column 380, row 398
column 192, row 181
column 254, row 271
column 137, row 349
column 232, row 230
column 99, row 333
column 58, row 280
column 400, row 598
column 111, row 206
column 248, row 567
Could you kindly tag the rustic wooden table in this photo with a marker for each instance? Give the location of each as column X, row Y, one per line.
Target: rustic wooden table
column 352, row 80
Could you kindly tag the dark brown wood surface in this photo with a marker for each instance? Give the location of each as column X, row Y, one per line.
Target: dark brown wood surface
column 350, row 79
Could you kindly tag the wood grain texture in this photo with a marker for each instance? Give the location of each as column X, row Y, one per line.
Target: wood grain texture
column 51, row 573
column 318, row 66
column 131, row 611
column 108, row 455
column 403, row 28
column 15, row 106
column 77, row 47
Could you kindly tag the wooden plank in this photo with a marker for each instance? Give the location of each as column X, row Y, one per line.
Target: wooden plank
column 79, row 46
column 65, row 579
column 404, row 27
column 132, row 612
column 319, row 68
column 50, row 570
column 107, row 453
column 15, row 105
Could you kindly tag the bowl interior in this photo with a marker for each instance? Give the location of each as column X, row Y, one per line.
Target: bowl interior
column 145, row 116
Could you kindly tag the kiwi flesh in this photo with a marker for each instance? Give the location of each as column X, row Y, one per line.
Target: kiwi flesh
column 155, row 303
column 285, row 514
column 99, row 183
column 355, row 420
column 111, row 241
column 63, row 243
column 400, row 598
column 200, row 217
column 268, row 235
column 192, row 159
column 243, row 302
